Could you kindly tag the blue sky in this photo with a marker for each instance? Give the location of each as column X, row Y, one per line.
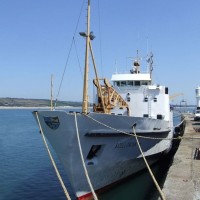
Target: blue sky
column 36, row 35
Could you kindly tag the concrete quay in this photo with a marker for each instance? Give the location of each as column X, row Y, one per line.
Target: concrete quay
column 183, row 178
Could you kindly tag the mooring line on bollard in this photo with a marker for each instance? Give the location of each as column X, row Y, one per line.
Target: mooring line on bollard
column 148, row 167
column 83, row 163
column 52, row 160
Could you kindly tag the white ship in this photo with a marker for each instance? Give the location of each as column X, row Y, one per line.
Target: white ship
column 131, row 106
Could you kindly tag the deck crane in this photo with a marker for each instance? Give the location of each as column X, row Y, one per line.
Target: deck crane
column 171, row 97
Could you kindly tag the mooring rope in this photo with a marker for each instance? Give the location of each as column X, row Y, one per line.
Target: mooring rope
column 148, row 167
column 130, row 134
column 82, row 159
column 180, row 123
column 85, row 169
column 52, row 160
column 140, row 136
column 136, row 137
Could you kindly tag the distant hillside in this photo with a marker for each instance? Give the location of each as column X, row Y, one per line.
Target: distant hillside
column 20, row 102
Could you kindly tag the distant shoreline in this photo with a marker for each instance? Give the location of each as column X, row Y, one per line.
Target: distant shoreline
column 42, row 107
column 34, row 103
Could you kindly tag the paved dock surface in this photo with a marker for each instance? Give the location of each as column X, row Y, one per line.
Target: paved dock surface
column 183, row 179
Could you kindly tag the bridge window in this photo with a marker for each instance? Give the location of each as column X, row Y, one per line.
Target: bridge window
column 144, row 83
column 137, row 83
column 130, row 83
column 123, row 83
column 166, row 90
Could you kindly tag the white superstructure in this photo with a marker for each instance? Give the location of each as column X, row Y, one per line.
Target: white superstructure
column 144, row 99
column 197, row 91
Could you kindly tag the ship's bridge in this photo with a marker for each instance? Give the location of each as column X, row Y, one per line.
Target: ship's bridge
column 122, row 80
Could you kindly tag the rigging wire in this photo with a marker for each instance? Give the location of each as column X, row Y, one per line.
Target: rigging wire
column 79, row 64
column 69, row 53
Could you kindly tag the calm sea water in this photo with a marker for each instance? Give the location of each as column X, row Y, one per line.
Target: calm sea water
column 27, row 173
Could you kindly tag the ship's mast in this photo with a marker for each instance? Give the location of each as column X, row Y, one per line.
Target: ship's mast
column 51, row 92
column 85, row 85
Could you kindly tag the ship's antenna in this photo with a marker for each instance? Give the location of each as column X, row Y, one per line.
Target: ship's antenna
column 147, row 52
column 136, row 64
column 150, row 63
